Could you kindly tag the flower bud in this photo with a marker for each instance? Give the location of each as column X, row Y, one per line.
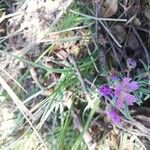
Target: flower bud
column 105, row 90
column 113, row 114
column 131, row 63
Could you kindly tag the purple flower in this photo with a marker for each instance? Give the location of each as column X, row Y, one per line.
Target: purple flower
column 113, row 114
column 105, row 90
column 131, row 63
column 123, row 90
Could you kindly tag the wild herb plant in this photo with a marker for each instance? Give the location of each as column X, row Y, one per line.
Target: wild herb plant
column 121, row 92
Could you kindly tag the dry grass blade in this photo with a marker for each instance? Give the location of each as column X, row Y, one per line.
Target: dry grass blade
column 11, row 145
column 3, row 17
column 21, row 107
column 15, row 98
column 13, row 79
column 69, row 29
column 143, row 131
column 35, row 78
column 61, row 13
column 30, row 98
column 62, row 40
column 100, row 19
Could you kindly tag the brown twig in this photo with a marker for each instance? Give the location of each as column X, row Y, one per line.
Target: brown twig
column 97, row 7
column 142, row 44
column 110, row 34
column 115, row 53
column 15, row 98
column 89, row 52
column 140, row 127
column 35, row 78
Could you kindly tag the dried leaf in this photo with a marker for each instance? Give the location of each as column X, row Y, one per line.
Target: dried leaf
column 113, row 137
column 109, row 8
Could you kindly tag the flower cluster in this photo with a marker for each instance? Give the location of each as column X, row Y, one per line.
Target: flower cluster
column 105, row 90
column 122, row 93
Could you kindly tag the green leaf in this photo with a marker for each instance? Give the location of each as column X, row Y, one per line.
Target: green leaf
column 127, row 112
column 75, row 146
column 145, row 91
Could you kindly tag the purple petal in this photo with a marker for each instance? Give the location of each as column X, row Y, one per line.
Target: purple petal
column 129, row 99
column 122, row 86
column 105, row 90
column 133, row 86
column 126, row 81
column 113, row 114
column 118, row 90
column 122, row 92
column 120, row 103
